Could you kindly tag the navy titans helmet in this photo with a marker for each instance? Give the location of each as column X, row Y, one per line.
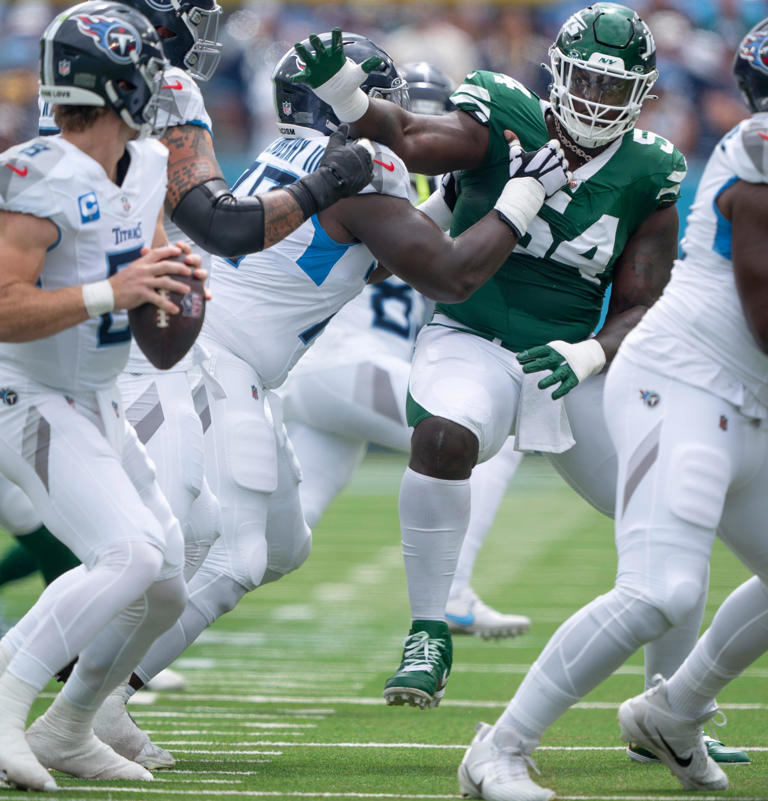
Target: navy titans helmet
column 428, row 87
column 189, row 30
column 750, row 66
column 301, row 112
column 104, row 54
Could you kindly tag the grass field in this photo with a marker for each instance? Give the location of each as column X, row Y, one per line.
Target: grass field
column 284, row 694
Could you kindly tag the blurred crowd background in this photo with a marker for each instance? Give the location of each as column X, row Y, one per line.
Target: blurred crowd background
column 697, row 98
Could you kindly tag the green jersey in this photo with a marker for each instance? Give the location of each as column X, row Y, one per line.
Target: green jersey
column 553, row 283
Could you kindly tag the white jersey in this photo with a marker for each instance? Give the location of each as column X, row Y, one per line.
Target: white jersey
column 184, row 106
column 102, row 227
column 697, row 331
column 269, row 307
column 181, row 104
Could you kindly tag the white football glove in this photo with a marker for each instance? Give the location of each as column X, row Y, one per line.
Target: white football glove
column 533, row 177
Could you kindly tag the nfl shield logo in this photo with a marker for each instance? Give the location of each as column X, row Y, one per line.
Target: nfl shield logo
column 126, row 203
column 287, row 108
column 65, row 65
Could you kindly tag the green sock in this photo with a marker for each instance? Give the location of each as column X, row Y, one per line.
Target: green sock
column 16, row 564
column 52, row 557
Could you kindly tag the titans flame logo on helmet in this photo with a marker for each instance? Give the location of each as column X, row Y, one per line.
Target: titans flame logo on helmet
column 116, row 38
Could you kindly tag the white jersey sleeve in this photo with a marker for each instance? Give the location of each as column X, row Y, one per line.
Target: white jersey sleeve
column 390, row 175
column 747, row 150
column 182, row 102
column 102, row 227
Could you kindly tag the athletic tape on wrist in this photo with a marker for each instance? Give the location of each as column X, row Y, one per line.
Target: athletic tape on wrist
column 98, row 298
column 520, row 201
column 342, row 92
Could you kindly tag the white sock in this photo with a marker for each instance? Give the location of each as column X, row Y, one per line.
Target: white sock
column 737, row 637
column 16, row 699
column 488, row 484
column 434, row 514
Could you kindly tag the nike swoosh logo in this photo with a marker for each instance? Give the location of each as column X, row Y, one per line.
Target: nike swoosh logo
column 683, row 762
column 390, row 166
column 19, row 172
column 176, row 85
column 765, row 136
column 462, row 620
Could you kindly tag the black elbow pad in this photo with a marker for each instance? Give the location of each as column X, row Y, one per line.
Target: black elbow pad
column 225, row 225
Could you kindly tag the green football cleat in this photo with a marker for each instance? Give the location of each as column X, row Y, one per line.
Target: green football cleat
column 719, row 753
column 427, row 655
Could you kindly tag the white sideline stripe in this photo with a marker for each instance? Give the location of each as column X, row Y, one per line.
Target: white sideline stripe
column 297, row 794
column 376, row 701
column 423, row 746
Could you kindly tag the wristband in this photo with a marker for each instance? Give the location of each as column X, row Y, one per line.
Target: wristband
column 343, row 94
column 519, row 202
column 98, row 298
column 584, row 358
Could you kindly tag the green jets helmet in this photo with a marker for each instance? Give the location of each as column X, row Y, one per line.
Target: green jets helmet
column 603, row 67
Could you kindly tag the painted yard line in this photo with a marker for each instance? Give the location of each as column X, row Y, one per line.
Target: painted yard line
column 211, row 733
column 423, row 746
column 216, row 713
column 376, row 701
column 320, row 794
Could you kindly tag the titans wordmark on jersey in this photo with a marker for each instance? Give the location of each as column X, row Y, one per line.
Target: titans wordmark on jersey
column 102, row 228
column 553, row 283
column 271, row 306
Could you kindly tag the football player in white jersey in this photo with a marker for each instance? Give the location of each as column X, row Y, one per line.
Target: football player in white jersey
column 81, row 241
column 199, row 208
column 352, row 386
column 686, row 404
column 271, row 306
column 692, row 443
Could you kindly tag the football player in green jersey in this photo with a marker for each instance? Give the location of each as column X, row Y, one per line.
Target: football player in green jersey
column 616, row 224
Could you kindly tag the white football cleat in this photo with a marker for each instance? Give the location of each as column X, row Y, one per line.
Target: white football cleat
column 648, row 721
column 495, row 767
column 466, row 613
column 166, row 681
column 19, row 766
column 114, row 726
column 85, row 757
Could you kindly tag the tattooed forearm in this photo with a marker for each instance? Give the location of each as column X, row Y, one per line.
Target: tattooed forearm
column 281, row 216
column 191, row 161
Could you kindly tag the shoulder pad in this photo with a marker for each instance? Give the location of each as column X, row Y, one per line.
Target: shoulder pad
column 659, row 162
column 24, row 172
column 181, row 101
column 390, row 176
column 481, row 90
column 749, row 149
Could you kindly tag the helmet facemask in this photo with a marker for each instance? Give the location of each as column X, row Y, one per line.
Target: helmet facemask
column 397, row 93
column 203, row 57
column 147, row 119
column 597, row 100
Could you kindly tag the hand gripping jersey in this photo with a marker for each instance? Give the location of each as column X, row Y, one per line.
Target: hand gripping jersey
column 696, row 331
column 102, row 227
column 552, row 285
column 269, row 307
column 182, row 104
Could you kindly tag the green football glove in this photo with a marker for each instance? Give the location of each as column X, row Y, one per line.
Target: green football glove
column 333, row 77
column 570, row 363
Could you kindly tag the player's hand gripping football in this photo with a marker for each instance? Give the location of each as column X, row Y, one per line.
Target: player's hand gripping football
column 139, row 281
column 333, row 77
column 569, row 362
column 533, row 177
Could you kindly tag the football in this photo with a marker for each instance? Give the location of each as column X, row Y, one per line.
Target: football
column 165, row 338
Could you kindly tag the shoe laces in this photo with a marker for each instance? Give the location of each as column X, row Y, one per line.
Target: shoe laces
column 510, row 769
column 718, row 719
column 420, row 647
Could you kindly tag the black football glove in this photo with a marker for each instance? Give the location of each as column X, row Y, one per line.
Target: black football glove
column 346, row 168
